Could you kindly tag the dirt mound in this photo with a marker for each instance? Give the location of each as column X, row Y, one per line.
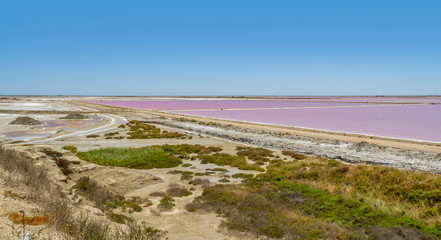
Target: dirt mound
column 26, row 121
column 75, row 116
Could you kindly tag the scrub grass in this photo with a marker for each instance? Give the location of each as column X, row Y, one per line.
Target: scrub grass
column 186, row 149
column 139, row 158
column 320, row 198
column 224, row 159
column 105, row 199
column 140, row 130
column 70, row 148
column 290, row 210
column 18, row 218
column 417, row 194
column 56, row 211
column 255, row 154
column 294, row 155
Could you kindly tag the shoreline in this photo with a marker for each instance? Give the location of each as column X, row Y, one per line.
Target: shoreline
column 423, row 146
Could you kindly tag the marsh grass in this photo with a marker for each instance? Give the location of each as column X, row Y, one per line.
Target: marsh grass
column 139, row 158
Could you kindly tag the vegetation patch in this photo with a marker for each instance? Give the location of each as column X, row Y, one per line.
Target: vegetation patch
column 178, row 191
column 166, row 203
column 140, row 130
column 139, row 158
column 103, row 198
column 256, row 154
column 20, row 218
column 284, row 209
column 119, row 218
column 218, row 169
column 9, row 193
column 187, row 149
column 243, row 175
column 92, row 136
column 200, row 181
column 415, row 193
column 70, row 148
column 294, row 155
column 223, row 159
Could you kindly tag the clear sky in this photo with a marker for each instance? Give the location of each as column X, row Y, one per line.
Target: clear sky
column 220, row 47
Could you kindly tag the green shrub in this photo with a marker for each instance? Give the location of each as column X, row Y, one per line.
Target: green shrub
column 166, row 203
column 92, row 136
column 70, row 148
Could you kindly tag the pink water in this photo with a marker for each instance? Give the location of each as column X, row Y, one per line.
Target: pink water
column 215, row 104
column 420, row 122
column 369, row 99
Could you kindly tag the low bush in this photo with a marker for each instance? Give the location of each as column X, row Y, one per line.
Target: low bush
column 178, row 191
column 92, row 136
column 166, row 203
column 294, row 155
column 243, row 175
column 200, row 181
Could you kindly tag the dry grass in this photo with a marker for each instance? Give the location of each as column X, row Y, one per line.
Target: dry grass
column 57, row 212
column 17, row 218
column 21, row 170
column 9, row 193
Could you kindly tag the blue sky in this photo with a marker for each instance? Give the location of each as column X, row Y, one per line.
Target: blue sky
column 220, row 47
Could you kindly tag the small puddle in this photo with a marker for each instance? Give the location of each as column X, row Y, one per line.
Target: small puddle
column 50, row 127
